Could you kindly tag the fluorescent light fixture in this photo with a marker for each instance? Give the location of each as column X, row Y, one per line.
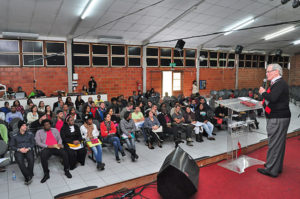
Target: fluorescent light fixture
column 296, row 42
column 19, row 35
column 280, row 32
column 88, row 8
column 239, row 25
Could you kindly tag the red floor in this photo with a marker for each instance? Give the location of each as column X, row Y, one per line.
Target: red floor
column 217, row 182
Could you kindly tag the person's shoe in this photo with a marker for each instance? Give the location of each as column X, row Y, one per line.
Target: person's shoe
column 199, row 138
column 159, row 145
column 211, row 138
column 68, row 174
column 214, row 133
column 189, row 139
column 72, row 168
column 45, row 178
column 132, row 158
column 135, row 155
column 118, row 159
column 123, row 153
column 2, row 169
column 150, row 146
column 266, row 172
column 28, row 180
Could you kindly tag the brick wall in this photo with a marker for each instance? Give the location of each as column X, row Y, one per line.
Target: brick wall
column 113, row 81
column 295, row 70
column 48, row 79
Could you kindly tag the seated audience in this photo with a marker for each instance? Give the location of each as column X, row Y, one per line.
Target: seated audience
column 69, row 102
column 153, row 128
column 19, row 107
column 165, row 120
column 37, row 124
column 79, row 102
column 201, row 116
column 33, row 115
column 41, row 107
column 221, row 114
column 128, row 128
column 90, row 134
column 98, row 100
column 73, row 142
column 65, row 111
column 114, row 118
column 131, row 100
column 13, row 114
column 59, row 107
column 178, row 124
column 135, row 96
column 86, row 111
column 59, row 120
column 212, row 102
column 74, row 114
column 128, row 108
column 56, row 104
column 6, row 108
column 28, row 106
column 50, row 141
column 94, row 110
column 167, row 97
column 138, row 117
column 89, row 102
column 115, row 106
column 190, row 118
column 101, row 110
column 193, row 105
column 48, row 112
column 23, row 144
column 84, row 90
column 108, row 133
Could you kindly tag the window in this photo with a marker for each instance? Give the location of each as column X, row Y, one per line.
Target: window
column 254, row 61
column 178, row 57
column 134, row 56
column 117, row 56
column 222, row 59
column 190, row 57
column 152, row 57
column 286, row 62
column 32, row 53
column 100, row 55
column 81, row 54
column 231, row 60
column 242, row 60
column 248, row 61
column 165, row 56
column 55, row 52
column 261, row 63
column 213, row 59
column 9, row 53
column 176, row 81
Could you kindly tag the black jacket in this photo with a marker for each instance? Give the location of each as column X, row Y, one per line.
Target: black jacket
column 67, row 136
column 19, row 141
column 92, row 86
column 201, row 117
column 278, row 99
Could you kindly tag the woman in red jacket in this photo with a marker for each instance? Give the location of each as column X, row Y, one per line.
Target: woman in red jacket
column 108, row 133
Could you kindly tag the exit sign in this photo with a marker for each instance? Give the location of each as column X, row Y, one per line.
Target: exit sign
column 172, row 64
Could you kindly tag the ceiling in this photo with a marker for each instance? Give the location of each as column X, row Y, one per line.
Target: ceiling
column 161, row 22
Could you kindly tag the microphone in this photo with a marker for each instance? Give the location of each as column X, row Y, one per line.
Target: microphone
column 264, row 85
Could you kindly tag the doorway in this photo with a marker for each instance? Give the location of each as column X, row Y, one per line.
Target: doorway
column 171, row 83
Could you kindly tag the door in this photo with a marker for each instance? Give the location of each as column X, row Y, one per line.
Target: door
column 172, row 83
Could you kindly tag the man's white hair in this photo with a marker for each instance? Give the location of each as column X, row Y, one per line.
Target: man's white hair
column 276, row 66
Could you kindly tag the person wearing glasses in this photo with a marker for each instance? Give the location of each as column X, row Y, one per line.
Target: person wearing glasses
column 278, row 115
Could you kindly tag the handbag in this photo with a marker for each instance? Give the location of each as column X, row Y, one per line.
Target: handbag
column 93, row 142
column 219, row 120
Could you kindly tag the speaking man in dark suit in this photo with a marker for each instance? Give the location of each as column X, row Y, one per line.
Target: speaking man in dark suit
column 278, row 115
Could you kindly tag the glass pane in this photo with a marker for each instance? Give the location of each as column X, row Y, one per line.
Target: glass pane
column 165, row 52
column 81, row 48
column 9, row 46
column 99, row 49
column 213, row 54
column 248, row 64
column 176, row 85
column 241, row 63
column 32, row 46
column 222, row 55
column 261, row 64
column 33, row 60
column 248, row 57
column 179, row 62
column 191, row 62
column 203, row 63
column 178, row 53
column 100, row 61
column 118, row 61
column 165, row 62
column 134, row 62
column 9, row 60
column 222, row 63
column 152, row 62
column 262, row 58
column 134, row 50
column 204, row 53
column 81, row 60
column 55, row 47
column 254, row 64
column 152, row 51
column 56, row 61
column 286, row 59
column 213, row 63
column 230, row 64
column 177, row 76
column 241, row 56
column 231, row 56
column 117, row 50
column 190, row 53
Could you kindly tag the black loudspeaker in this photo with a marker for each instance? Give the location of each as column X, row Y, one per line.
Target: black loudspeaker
column 178, row 176
column 179, row 45
column 238, row 49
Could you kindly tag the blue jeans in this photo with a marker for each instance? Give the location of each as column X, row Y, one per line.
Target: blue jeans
column 208, row 127
column 97, row 150
column 130, row 143
column 116, row 142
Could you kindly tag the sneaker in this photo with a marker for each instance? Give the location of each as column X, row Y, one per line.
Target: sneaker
column 211, row 138
column 28, row 180
column 189, row 143
column 118, row 160
column 189, row 140
column 123, row 153
column 68, row 174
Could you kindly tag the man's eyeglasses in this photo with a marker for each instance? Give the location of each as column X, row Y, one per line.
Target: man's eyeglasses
column 269, row 71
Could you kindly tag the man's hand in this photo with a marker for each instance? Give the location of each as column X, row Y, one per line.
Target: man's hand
column 261, row 90
column 23, row 150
